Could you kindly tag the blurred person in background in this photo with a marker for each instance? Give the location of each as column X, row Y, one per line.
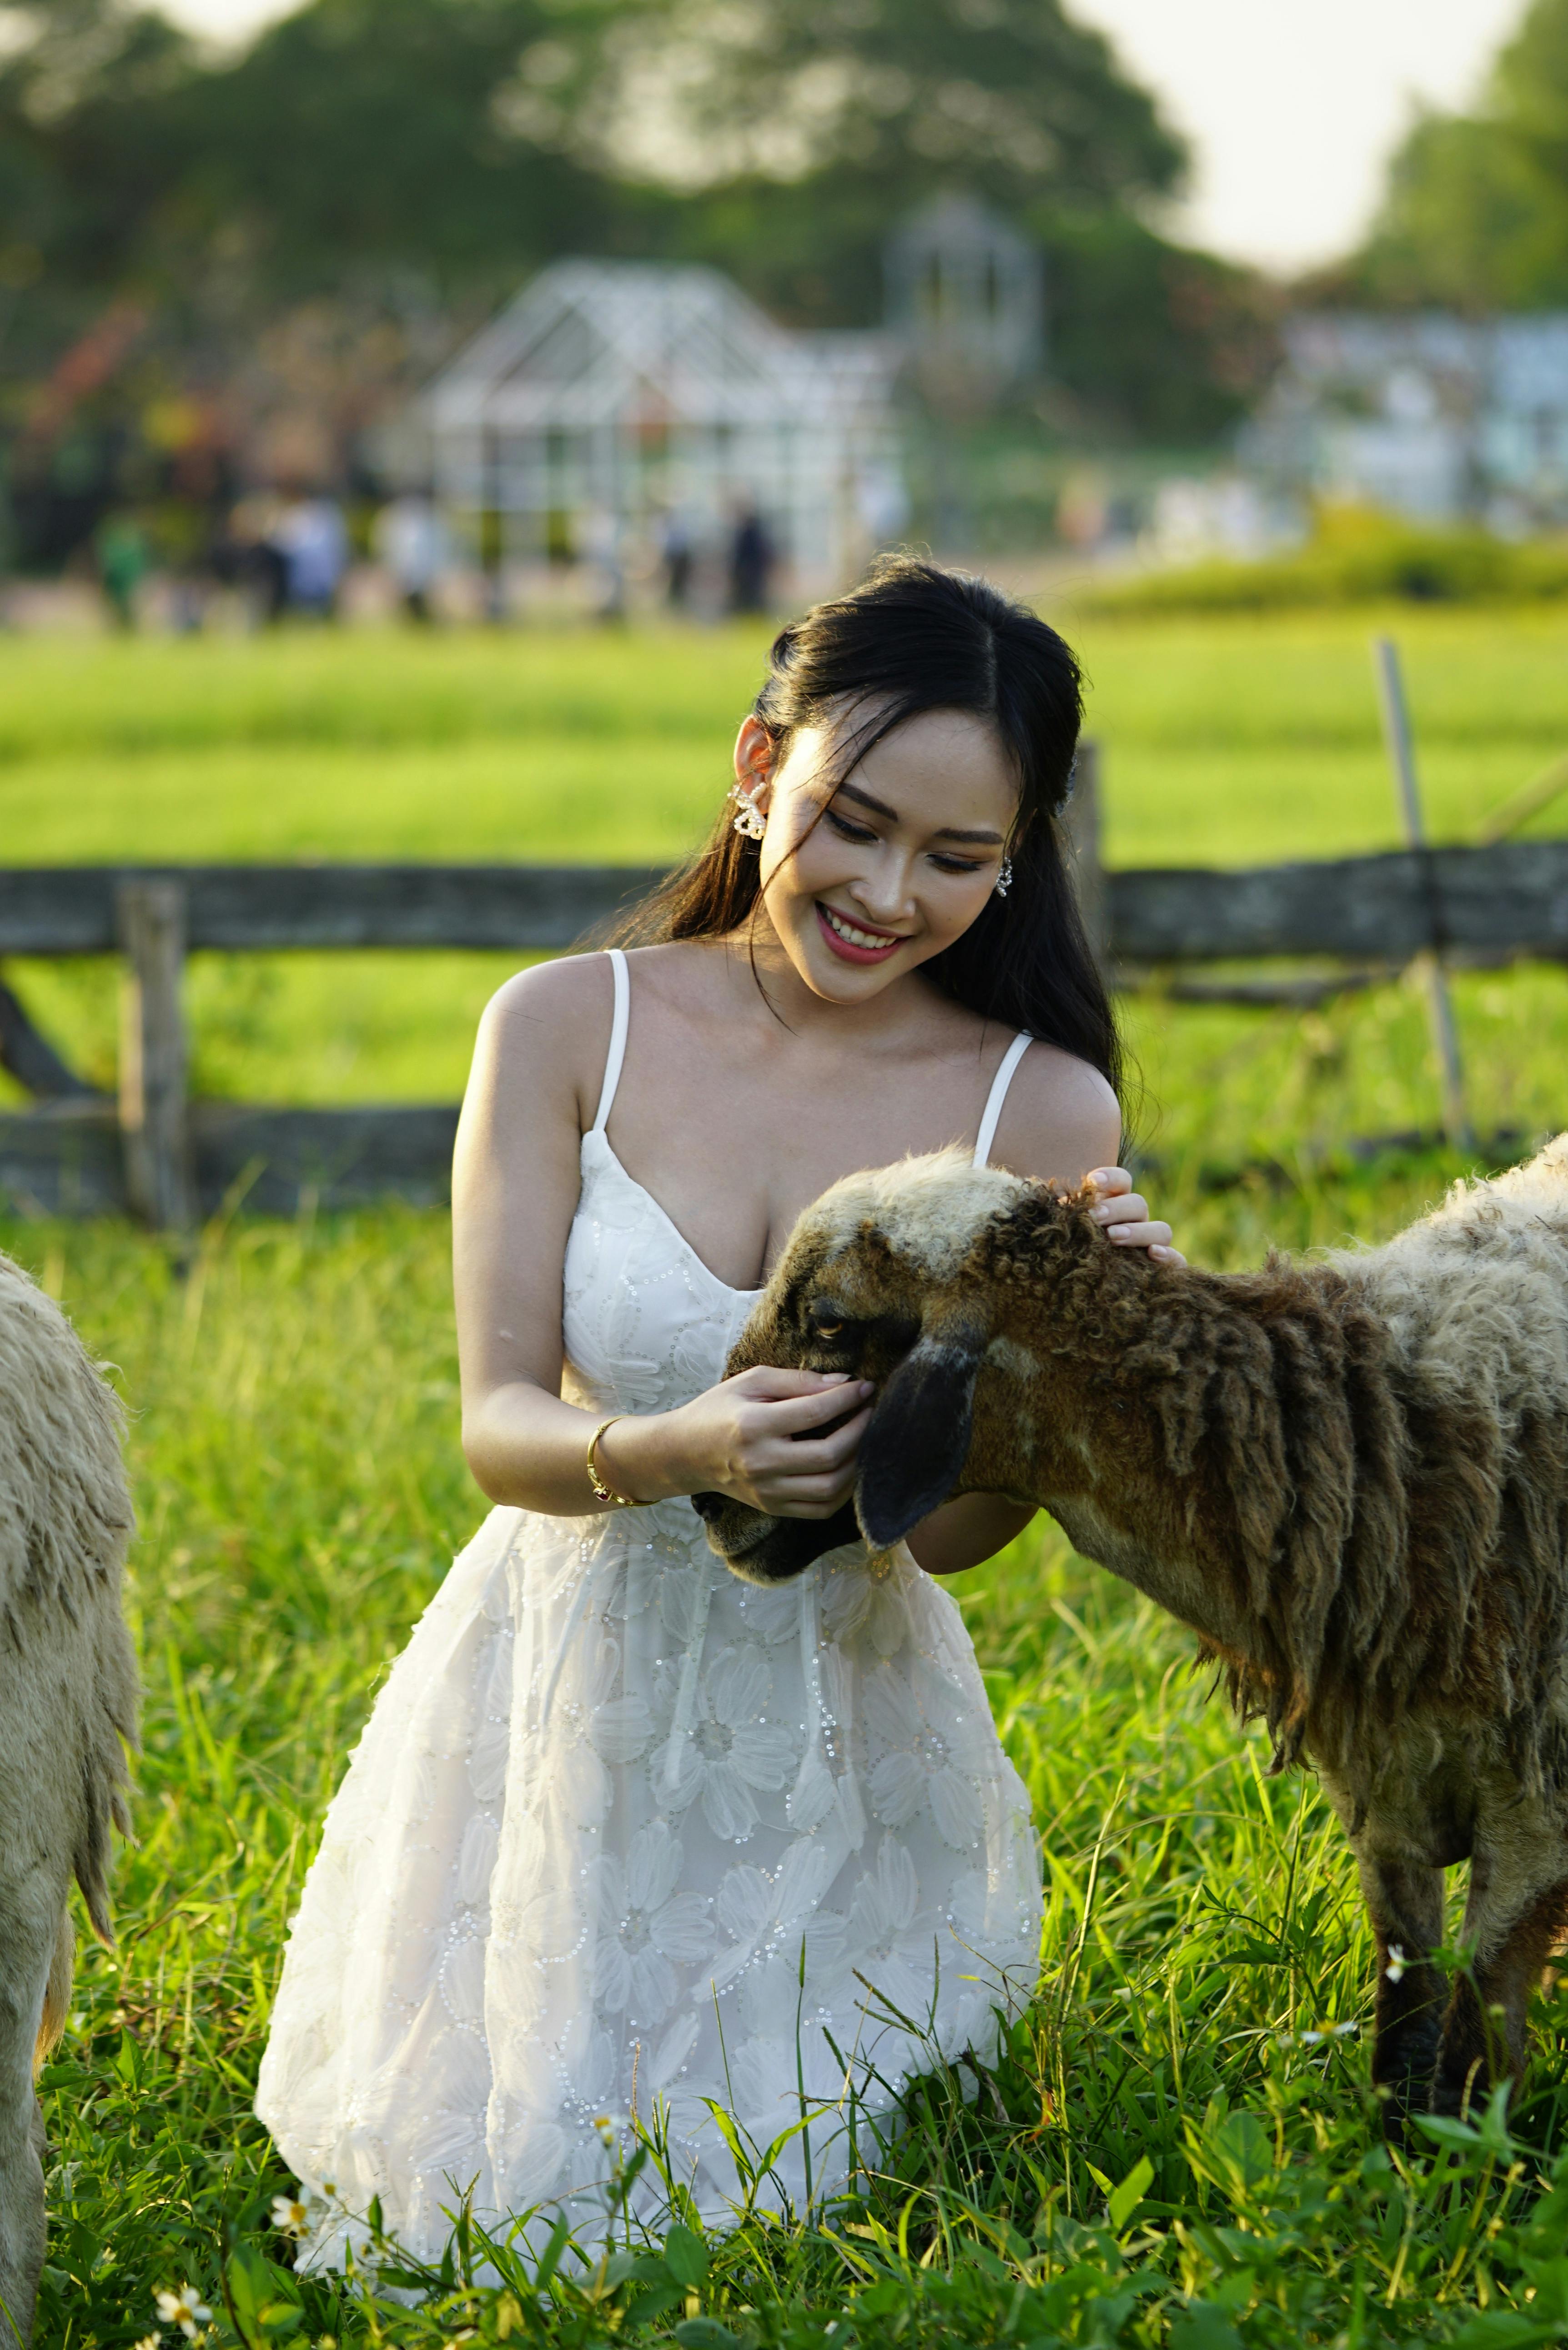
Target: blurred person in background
column 602, row 549
column 679, row 554
column 882, row 505
column 313, row 539
column 410, row 541
column 752, row 559
column 124, row 559
column 246, row 556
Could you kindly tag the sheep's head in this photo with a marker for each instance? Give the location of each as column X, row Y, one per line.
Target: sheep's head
column 886, row 1277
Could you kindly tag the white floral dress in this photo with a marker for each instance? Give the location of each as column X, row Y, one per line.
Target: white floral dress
column 609, row 1803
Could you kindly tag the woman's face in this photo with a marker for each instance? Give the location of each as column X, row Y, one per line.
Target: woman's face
column 899, row 860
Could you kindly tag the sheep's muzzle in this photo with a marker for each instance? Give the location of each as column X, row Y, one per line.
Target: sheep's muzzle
column 853, row 1303
column 766, row 1550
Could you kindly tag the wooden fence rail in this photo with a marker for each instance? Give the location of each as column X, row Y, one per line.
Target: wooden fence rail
column 1512, row 899
column 72, row 910
column 168, row 1157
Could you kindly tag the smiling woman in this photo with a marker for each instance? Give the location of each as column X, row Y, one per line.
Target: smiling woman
column 621, row 1828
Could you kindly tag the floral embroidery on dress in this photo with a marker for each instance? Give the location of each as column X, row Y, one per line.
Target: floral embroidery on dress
column 729, row 1754
column 648, row 1925
column 938, row 1751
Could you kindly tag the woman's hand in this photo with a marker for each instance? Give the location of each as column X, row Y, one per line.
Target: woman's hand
column 1124, row 1213
column 765, row 1438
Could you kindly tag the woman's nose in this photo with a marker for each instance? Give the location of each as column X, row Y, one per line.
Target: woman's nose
column 884, row 891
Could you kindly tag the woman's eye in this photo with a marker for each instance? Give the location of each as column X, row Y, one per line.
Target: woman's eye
column 955, row 864
column 848, row 831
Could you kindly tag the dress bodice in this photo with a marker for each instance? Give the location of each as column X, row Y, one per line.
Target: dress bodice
column 646, row 1325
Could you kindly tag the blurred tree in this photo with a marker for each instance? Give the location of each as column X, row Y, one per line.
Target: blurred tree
column 803, row 130
column 89, row 96
column 1476, row 211
column 352, row 137
column 389, row 135
column 1155, row 341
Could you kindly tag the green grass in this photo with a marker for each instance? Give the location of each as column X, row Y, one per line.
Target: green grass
column 301, row 1491
column 1225, row 741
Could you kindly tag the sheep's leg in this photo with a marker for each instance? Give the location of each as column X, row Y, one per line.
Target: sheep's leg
column 1404, row 1903
column 1484, row 2029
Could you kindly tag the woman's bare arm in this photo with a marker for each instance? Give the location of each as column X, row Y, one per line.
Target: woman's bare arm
column 515, row 1180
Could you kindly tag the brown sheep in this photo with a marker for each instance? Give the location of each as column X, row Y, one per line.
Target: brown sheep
column 1350, row 1478
column 67, row 1700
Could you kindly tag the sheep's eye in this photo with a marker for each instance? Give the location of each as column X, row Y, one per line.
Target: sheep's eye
column 826, row 1322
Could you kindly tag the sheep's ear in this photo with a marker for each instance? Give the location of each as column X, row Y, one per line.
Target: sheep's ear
column 917, row 1441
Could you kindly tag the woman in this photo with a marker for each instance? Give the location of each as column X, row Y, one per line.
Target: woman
column 624, row 1835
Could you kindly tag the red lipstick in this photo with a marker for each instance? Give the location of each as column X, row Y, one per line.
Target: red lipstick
column 843, row 948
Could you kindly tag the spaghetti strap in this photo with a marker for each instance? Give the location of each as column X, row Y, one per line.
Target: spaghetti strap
column 617, row 1053
column 997, row 1096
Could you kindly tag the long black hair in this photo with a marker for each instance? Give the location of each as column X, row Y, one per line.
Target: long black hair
column 912, row 637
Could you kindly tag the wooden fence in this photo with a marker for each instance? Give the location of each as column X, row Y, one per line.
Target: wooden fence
column 169, row 1159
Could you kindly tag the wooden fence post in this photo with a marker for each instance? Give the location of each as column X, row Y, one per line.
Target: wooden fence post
column 152, row 1115
column 1439, row 1006
column 1081, row 824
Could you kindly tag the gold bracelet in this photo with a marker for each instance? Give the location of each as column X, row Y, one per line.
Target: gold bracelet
column 602, row 1492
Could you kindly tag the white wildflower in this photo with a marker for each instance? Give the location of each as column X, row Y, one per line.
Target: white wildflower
column 1316, row 2035
column 1394, row 1968
column 290, row 2214
column 185, row 2309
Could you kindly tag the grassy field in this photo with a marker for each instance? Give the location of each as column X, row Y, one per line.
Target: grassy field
column 1180, row 2145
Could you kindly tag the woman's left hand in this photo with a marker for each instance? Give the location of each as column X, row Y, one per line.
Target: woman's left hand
column 1124, row 1214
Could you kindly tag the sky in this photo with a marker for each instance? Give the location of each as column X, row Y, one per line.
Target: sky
column 1292, row 106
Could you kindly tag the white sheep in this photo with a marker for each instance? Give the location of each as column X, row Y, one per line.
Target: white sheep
column 67, row 1711
column 1349, row 1477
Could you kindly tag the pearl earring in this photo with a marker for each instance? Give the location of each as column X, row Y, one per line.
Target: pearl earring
column 1003, row 882
column 751, row 821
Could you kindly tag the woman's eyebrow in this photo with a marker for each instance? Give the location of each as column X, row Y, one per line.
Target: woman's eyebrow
column 983, row 838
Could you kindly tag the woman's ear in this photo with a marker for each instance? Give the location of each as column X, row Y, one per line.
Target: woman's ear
column 754, row 757
column 917, row 1440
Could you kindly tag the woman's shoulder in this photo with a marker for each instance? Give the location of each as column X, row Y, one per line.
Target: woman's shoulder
column 566, row 989
column 1060, row 1118
column 567, row 1006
